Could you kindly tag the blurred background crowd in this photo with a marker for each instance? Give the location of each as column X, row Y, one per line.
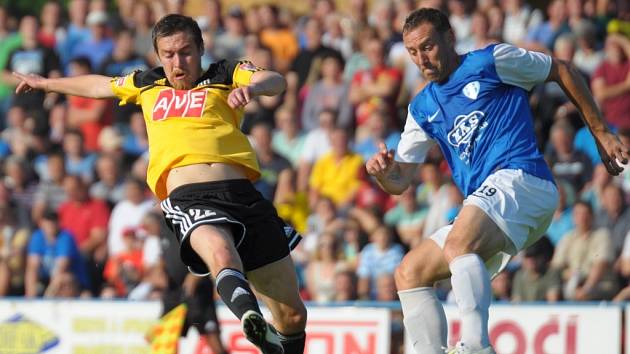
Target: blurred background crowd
column 77, row 219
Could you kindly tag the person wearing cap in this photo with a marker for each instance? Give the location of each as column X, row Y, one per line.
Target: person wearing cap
column 99, row 46
column 202, row 167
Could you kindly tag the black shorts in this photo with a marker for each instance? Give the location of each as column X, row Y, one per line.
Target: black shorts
column 201, row 311
column 260, row 236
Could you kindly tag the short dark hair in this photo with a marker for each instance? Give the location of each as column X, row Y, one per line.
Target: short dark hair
column 174, row 23
column 437, row 18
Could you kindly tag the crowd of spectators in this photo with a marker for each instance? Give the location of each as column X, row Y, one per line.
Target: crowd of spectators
column 77, row 218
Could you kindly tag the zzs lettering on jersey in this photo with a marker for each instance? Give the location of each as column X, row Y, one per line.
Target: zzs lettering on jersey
column 172, row 103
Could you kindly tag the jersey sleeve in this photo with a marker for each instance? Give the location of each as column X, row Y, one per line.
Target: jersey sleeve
column 520, row 67
column 243, row 72
column 414, row 143
column 125, row 89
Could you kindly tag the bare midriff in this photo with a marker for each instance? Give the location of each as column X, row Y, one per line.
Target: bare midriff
column 204, row 172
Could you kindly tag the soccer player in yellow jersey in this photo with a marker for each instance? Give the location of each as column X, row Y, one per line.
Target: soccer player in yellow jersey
column 201, row 167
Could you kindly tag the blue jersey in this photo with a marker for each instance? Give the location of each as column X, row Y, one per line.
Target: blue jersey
column 480, row 116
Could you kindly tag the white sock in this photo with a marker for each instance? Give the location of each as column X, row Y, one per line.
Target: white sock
column 472, row 290
column 424, row 319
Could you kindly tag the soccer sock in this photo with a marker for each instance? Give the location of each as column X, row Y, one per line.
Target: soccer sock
column 424, row 319
column 472, row 290
column 294, row 343
column 235, row 292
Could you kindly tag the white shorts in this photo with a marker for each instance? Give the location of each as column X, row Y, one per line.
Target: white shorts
column 521, row 205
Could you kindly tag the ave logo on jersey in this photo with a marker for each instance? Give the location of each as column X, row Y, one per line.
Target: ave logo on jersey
column 179, row 103
column 471, row 90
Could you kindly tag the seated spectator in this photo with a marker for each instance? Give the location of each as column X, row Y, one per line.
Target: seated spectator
column 587, row 56
column 520, row 18
column 50, row 193
column 566, row 163
column 99, row 46
column 584, row 258
column 328, row 92
column 79, row 162
column 275, row 170
column 109, row 186
column 288, row 140
column 316, row 144
column 53, row 260
column 380, row 256
column 279, row 38
column 480, row 36
column 12, row 253
column 610, row 81
column 123, row 270
column 345, row 286
column 127, row 214
column 378, row 129
column 354, row 239
column 562, row 221
column 386, row 288
column 407, row 217
column 535, row 281
column 336, row 174
column 325, row 262
column 614, row 215
column 88, row 115
column 623, row 266
column 542, row 37
column 86, row 219
column 229, row 43
column 502, row 286
column 20, row 180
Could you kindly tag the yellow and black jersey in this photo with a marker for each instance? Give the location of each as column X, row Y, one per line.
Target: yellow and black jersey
column 193, row 126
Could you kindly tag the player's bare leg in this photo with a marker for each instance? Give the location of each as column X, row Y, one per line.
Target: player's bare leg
column 214, row 244
column 276, row 284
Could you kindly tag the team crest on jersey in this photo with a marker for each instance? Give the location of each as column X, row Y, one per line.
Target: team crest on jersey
column 248, row 66
column 471, row 90
column 120, row 81
column 179, row 103
column 467, row 127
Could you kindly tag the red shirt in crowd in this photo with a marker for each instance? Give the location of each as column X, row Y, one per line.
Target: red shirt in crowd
column 81, row 218
column 616, row 109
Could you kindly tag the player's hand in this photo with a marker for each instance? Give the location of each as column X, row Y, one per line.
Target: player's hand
column 29, row 82
column 239, row 97
column 380, row 163
column 613, row 152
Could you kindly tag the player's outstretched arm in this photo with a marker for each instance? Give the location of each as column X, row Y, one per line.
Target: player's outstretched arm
column 611, row 150
column 93, row 86
column 393, row 176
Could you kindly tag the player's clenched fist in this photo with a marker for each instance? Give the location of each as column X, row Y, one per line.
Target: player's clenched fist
column 381, row 162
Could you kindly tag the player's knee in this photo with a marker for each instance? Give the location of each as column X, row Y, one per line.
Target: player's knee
column 410, row 275
column 292, row 320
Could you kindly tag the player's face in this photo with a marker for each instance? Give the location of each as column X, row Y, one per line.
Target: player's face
column 180, row 58
column 430, row 50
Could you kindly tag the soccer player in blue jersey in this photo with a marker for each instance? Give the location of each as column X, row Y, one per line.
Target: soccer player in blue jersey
column 475, row 108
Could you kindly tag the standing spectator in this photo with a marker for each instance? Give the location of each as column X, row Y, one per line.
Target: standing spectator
column 520, row 18
column 584, row 257
column 33, row 58
column 229, row 44
column 86, row 219
column 127, row 214
column 380, row 256
column 77, row 32
column 50, row 193
column 378, row 85
column 99, row 46
column 336, row 174
column 308, row 56
column 275, row 170
column 567, row 163
column 109, row 186
column 123, row 61
column 614, row 215
column 328, row 92
column 611, row 81
column 89, row 115
column 51, row 30
column 53, row 260
column 535, row 281
column 542, row 37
